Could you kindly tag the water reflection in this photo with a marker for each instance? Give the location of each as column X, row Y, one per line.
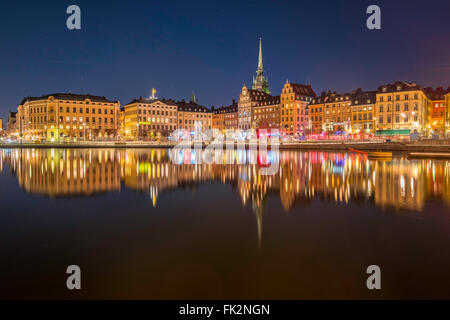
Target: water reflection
column 302, row 176
column 336, row 234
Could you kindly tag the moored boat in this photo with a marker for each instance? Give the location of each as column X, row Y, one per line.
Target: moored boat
column 379, row 154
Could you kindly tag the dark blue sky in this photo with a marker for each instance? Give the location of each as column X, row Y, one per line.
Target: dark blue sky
column 127, row 47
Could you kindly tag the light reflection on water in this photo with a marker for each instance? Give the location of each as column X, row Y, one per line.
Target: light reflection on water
column 126, row 216
column 339, row 177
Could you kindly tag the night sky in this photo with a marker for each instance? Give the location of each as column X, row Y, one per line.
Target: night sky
column 210, row 47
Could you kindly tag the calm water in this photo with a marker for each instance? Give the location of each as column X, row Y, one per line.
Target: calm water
column 140, row 226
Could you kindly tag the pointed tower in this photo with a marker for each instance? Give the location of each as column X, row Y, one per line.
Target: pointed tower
column 260, row 82
column 193, row 97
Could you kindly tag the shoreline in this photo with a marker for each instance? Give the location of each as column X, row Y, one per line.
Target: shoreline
column 323, row 146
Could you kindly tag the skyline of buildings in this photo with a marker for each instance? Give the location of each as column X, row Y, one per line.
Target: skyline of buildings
column 396, row 109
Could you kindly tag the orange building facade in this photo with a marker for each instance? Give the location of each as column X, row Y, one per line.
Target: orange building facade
column 294, row 111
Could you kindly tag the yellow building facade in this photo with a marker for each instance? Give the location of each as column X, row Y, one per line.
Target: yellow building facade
column 149, row 118
column 67, row 116
column 193, row 117
column 402, row 108
column 337, row 113
column 363, row 112
column 294, row 111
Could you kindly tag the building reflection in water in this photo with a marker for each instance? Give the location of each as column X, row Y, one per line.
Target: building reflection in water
column 301, row 178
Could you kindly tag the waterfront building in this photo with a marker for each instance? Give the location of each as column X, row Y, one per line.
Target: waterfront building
column 218, row 118
column 337, row 113
column 294, row 117
column 231, row 117
column 260, row 83
column 225, row 117
column 11, row 125
column 147, row 118
column 363, row 112
column 447, row 113
column 193, row 117
column 316, row 108
column 122, row 123
column 67, row 116
column 1, row 125
column 267, row 113
column 248, row 100
column 436, row 111
column 401, row 108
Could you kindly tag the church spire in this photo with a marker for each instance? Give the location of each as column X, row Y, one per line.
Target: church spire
column 260, row 83
column 260, row 62
column 193, row 97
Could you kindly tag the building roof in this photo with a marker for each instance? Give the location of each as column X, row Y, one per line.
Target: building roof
column 303, row 89
column 269, row 101
column 436, row 94
column 363, row 97
column 334, row 97
column 399, row 86
column 226, row 109
column 69, row 96
column 169, row 102
column 190, row 107
column 256, row 95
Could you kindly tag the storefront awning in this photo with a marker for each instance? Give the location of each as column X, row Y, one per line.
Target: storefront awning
column 395, row 132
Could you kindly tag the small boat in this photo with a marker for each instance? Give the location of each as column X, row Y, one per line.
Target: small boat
column 357, row 151
column 379, row 154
